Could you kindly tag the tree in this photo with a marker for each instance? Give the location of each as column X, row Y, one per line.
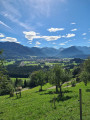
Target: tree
column 85, row 77
column 5, row 84
column 85, row 74
column 25, row 83
column 37, row 78
column 46, row 76
column 40, row 79
column 58, row 77
column 18, row 82
column 87, row 65
column 33, row 79
column 76, row 71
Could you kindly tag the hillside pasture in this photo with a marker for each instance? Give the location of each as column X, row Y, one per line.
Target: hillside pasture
column 34, row 105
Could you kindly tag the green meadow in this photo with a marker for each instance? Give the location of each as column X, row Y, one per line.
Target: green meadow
column 13, row 79
column 35, row 105
column 9, row 63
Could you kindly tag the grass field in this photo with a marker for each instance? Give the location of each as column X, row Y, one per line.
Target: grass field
column 13, row 79
column 32, row 64
column 9, row 63
column 50, row 64
column 34, row 105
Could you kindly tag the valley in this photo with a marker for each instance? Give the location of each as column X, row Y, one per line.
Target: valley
column 44, row 59
column 50, row 83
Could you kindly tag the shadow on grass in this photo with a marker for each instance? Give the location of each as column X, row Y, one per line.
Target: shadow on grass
column 63, row 98
column 59, row 98
column 10, row 97
column 14, row 97
column 39, row 91
column 67, row 91
column 54, row 92
column 1, row 112
column 49, row 92
column 17, row 98
column 87, row 90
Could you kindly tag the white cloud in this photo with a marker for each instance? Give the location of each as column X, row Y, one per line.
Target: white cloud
column 43, row 7
column 33, row 35
column 2, row 35
column 66, row 42
column 74, row 29
column 39, row 7
column 30, row 43
column 63, row 36
column 15, row 11
column 55, row 29
column 84, row 33
column 70, row 35
column 9, row 39
column 53, row 43
column 11, row 12
column 9, row 7
column 38, row 43
column 15, row 20
column 73, row 23
column 62, row 44
column 51, row 38
column 55, row 47
column 36, row 46
column 2, row 23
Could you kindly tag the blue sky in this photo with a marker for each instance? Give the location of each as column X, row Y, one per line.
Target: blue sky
column 45, row 23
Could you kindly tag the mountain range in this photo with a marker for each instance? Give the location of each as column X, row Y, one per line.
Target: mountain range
column 13, row 50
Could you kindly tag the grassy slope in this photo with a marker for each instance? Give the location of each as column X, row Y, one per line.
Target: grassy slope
column 34, row 105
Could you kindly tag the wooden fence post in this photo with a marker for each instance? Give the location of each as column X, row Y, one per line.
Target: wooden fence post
column 80, row 96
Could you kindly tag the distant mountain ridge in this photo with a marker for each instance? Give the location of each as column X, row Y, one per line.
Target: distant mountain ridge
column 15, row 50
column 70, row 52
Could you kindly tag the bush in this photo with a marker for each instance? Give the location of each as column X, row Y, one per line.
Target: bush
column 78, row 79
column 32, row 83
column 6, row 89
column 73, row 83
column 18, row 82
column 11, row 93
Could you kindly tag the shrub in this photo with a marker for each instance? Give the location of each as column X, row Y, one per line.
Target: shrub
column 6, row 89
column 73, row 83
column 11, row 93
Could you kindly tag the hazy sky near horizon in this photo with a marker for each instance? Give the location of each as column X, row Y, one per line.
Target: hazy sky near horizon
column 45, row 23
